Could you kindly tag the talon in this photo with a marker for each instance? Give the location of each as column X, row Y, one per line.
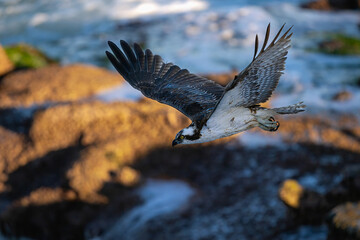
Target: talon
column 272, row 119
column 276, row 128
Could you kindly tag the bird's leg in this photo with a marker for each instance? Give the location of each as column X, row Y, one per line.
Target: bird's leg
column 254, row 108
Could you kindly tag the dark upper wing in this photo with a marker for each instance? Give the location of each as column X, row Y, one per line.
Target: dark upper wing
column 256, row 83
column 192, row 95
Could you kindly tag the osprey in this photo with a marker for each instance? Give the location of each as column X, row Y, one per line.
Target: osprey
column 215, row 111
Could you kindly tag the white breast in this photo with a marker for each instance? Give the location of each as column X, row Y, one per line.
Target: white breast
column 227, row 122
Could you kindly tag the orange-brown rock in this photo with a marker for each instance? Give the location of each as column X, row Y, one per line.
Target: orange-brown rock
column 44, row 196
column 129, row 131
column 54, row 84
column 11, row 146
column 338, row 132
column 345, row 221
column 222, row 78
column 127, row 176
column 318, row 5
column 115, row 134
column 96, row 122
column 5, row 64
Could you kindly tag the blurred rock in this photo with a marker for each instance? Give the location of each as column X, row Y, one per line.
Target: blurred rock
column 344, row 222
column 340, row 44
column 291, row 192
column 25, row 56
column 127, row 176
column 317, row 5
column 48, row 214
column 349, row 187
column 310, row 207
column 116, row 135
column 332, row 4
column 54, row 84
column 6, row 64
column 43, row 196
column 341, row 132
column 97, row 122
column 100, row 126
column 307, row 206
column 11, row 146
column 222, row 78
column 342, row 96
column 345, row 4
column 313, row 208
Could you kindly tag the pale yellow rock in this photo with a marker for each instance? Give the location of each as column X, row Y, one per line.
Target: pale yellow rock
column 129, row 177
column 291, row 192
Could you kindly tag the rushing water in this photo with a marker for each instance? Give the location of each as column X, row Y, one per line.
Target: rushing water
column 203, row 36
column 160, row 197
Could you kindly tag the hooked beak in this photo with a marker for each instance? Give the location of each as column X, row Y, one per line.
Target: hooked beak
column 175, row 142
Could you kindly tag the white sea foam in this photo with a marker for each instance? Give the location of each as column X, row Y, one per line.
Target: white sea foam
column 68, row 16
column 160, row 198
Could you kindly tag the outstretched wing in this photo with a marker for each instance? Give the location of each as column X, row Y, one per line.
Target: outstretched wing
column 256, row 82
column 194, row 96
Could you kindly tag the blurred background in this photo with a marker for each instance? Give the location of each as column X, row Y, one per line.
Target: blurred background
column 85, row 156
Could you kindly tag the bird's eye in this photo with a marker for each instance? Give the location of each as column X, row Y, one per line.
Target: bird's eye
column 182, row 137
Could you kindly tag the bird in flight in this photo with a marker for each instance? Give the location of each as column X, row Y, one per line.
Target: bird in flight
column 215, row 111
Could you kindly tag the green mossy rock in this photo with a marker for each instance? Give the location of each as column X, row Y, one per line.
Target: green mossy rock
column 340, row 45
column 26, row 56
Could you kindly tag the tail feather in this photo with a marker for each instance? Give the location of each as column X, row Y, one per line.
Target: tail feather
column 292, row 109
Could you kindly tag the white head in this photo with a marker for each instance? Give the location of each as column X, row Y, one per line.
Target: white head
column 188, row 135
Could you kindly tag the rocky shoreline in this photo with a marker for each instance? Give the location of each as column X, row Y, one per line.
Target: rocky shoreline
column 72, row 166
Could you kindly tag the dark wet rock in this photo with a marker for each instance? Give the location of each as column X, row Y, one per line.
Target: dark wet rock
column 332, row 4
column 48, row 214
column 349, row 187
column 344, row 222
column 18, row 120
column 247, row 178
column 345, row 4
column 6, row 65
column 311, row 207
column 54, row 84
column 308, row 207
